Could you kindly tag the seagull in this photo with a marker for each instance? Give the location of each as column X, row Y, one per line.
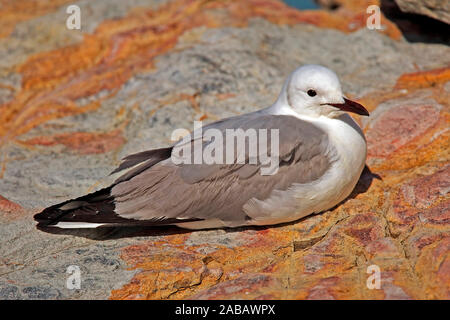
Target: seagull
column 322, row 153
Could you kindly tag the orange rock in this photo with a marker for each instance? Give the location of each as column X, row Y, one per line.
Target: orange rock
column 398, row 126
column 13, row 12
column 52, row 82
column 433, row 266
column 423, row 191
column 424, row 79
column 82, row 142
column 9, row 206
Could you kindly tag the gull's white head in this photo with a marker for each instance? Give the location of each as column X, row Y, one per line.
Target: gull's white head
column 315, row 91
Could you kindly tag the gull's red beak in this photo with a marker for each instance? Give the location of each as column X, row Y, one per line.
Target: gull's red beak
column 351, row 106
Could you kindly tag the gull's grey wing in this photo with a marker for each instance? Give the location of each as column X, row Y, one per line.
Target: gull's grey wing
column 158, row 192
column 154, row 156
column 143, row 161
column 225, row 191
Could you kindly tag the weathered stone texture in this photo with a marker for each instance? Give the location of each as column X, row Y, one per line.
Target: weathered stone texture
column 437, row 9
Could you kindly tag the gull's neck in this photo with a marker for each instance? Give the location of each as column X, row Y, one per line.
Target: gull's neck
column 280, row 108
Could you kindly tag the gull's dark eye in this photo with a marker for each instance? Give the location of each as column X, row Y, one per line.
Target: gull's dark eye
column 311, row 92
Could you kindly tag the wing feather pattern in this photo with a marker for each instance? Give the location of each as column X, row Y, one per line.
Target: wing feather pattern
column 156, row 191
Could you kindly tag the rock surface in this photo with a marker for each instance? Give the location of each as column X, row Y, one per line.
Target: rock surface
column 73, row 102
column 436, row 9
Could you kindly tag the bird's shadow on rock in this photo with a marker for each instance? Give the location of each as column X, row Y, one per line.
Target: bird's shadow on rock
column 364, row 183
column 114, row 233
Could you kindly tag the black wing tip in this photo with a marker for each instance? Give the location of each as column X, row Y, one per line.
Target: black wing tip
column 53, row 214
column 48, row 216
column 96, row 208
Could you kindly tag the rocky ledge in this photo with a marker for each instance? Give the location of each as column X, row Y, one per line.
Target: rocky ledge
column 436, row 9
column 73, row 102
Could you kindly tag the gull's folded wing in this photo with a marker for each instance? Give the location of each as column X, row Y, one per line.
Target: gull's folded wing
column 157, row 191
